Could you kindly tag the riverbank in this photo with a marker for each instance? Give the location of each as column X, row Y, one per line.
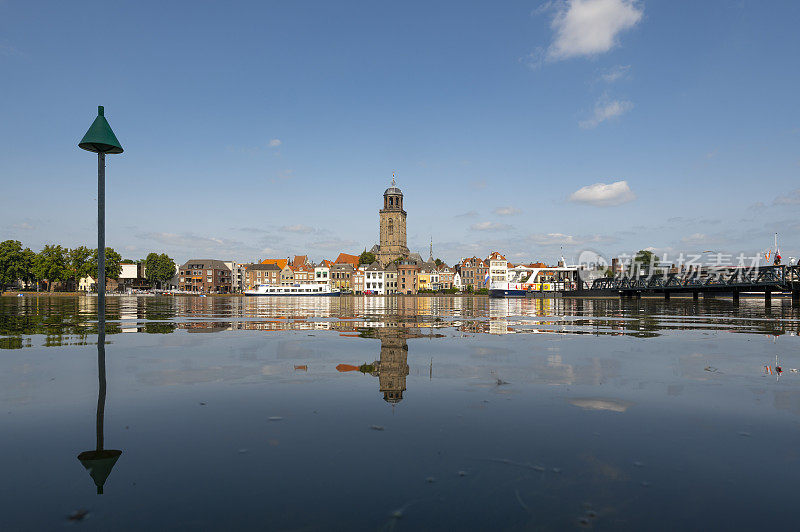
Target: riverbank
column 12, row 293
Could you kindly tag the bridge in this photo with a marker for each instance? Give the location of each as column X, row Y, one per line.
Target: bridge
column 730, row 280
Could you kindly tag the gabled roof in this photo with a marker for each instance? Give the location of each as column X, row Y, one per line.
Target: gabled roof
column 300, row 260
column 201, row 264
column 326, row 263
column 416, row 258
column 281, row 263
column 374, row 267
column 348, row 259
column 428, row 267
column 494, row 255
column 342, row 266
column 263, row 267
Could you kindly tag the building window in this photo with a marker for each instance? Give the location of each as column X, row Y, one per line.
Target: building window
column 391, row 227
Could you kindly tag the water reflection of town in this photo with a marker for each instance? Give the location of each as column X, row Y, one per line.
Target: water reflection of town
column 492, row 316
column 71, row 321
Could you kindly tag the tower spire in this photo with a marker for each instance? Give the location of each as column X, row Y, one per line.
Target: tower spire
column 393, row 183
column 431, row 259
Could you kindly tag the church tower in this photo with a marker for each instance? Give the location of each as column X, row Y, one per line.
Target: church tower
column 392, row 226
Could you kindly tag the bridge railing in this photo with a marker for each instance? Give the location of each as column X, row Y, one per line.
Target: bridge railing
column 709, row 277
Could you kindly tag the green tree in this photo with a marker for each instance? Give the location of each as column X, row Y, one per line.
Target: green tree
column 12, row 259
column 28, row 261
column 79, row 263
column 113, row 260
column 167, row 268
column 159, row 268
column 50, row 265
column 151, row 268
column 439, row 263
column 645, row 256
column 367, row 257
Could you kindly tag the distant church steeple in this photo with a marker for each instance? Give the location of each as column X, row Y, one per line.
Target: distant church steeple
column 431, row 259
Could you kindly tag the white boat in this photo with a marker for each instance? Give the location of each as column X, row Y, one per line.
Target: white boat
column 525, row 281
column 316, row 289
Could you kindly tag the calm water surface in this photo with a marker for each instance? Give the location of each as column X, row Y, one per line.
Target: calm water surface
column 398, row 414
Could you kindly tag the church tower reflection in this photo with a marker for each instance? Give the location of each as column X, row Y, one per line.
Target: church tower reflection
column 392, row 367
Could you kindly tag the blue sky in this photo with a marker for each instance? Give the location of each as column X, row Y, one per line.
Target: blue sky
column 256, row 129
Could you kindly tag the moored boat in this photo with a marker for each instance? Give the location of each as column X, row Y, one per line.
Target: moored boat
column 524, row 281
column 316, row 289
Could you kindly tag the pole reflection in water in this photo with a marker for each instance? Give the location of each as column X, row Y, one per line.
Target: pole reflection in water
column 100, row 461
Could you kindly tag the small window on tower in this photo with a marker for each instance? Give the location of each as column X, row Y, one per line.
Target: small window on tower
column 391, row 227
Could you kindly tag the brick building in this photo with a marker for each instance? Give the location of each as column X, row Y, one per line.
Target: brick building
column 208, row 276
column 256, row 274
column 341, row 275
column 473, row 272
column 407, row 277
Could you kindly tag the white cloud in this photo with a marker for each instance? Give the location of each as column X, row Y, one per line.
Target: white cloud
column 283, row 175
column 506, row 211
column 615, row 73
column 489, row 226
column 334, row 243
column 697, row 238
column 468, row 214
column 558, row 239
column 274, row 143
column 604, row 110
column 604, row 195
column 792, row 198
column 196, row 245
column 297, row 228
column 590, row 27
column 23, row 226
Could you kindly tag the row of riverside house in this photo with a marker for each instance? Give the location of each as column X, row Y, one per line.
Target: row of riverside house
column 410, row 275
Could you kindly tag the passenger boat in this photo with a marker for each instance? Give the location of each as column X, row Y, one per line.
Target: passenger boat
column 536, row 282
column 316, row 289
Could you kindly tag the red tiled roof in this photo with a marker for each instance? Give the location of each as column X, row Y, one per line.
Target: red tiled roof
column 280, row 263
column 348, row 259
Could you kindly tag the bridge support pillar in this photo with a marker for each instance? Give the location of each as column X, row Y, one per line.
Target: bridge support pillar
column 695, row 295
column 767, row 297
column 666, row 296
column 735, row 297
column 796, row 298
column 638, row 295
